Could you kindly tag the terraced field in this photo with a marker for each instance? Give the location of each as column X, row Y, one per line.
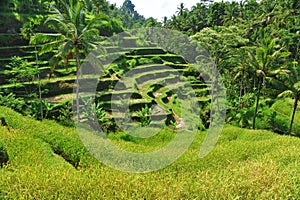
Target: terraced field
column 149, row 77
column 156, row 79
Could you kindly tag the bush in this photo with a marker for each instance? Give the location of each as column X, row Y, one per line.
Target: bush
column 144, row 61
column 281, row 124
column 157, row 60
column 144, row 115
column 19, row 70
column 108, row 29
column 10, row 100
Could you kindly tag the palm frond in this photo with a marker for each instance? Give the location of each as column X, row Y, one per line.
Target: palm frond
column 61, row 23
column 53, row 62
column 42, row 38
column 49, row 47
column 287, row 93
column 65, row 48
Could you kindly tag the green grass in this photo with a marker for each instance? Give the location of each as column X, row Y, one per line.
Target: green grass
column 62, row 141
column 245, row 164
column 285, row 107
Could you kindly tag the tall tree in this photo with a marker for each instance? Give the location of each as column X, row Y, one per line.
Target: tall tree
column 75, row 36
column 266, row 64
column 231, row 13
column 128, row 6
column 98, row 5
column 181, row 9
column 219, row 41
column 293, row 90
column 217, row 13
column 241, row 71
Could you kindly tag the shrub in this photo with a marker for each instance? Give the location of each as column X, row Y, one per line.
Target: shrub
column 20, row 70
column 10, row 100
column 281, row 124
column 157, row 60
column 144, row 61
column 131, row 63
column 144, row 115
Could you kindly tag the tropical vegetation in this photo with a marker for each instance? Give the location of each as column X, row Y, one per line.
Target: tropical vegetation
column 45, row 50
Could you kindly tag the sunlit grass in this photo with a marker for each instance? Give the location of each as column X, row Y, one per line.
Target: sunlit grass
column 285, row 107
column 245, row 164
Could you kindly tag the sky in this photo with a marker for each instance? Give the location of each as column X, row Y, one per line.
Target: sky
column 157, row 8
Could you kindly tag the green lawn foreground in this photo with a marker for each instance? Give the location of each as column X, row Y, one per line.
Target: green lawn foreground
column 245, row 164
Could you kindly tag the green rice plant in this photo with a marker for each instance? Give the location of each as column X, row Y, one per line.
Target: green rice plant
column 63, row 141
column 245, row 164
column 145, row 116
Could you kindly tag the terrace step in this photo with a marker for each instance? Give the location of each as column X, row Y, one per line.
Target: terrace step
column 175, row 59
column 146, row 51
column 146, row 69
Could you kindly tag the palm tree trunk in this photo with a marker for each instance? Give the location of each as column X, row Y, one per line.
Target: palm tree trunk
column 293, row 116
column 241, row 92
column 77, row 84
column 256, row 107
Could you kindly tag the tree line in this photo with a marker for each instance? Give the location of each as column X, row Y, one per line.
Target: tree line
column 254, row 44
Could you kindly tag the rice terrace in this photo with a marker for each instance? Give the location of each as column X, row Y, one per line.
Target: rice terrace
column 100, row 100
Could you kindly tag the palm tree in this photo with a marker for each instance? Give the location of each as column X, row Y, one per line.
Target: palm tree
column 74, row 36
column 296, row 91
column 174, row 22
column 231, row 13
column 264, row 63
column 241, row 72
column 181, row 9
column 293, row 90
column 200, row 12
column 165, row 21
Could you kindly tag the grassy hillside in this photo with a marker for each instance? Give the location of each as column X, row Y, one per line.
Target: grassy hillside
column 244, row 164
column 285, row 108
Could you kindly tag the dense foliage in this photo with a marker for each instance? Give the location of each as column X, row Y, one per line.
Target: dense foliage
column 255, row 45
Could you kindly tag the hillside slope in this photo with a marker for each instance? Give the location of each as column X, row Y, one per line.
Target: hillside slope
column 244, row 164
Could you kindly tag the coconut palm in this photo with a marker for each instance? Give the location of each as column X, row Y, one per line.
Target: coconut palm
column 181, row 9
column 231, row 13
column 75, row 36
column 264, row 61
column 241, row 73
column 293, row 91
